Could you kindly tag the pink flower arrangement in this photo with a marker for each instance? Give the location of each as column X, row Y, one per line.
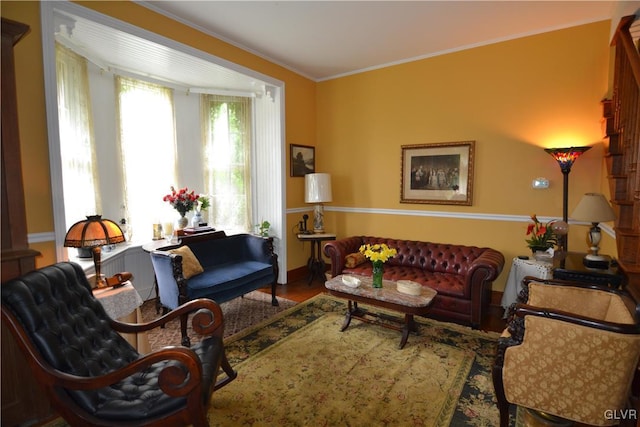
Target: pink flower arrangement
column 182, row 200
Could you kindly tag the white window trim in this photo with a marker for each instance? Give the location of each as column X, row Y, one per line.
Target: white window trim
column 48, row 46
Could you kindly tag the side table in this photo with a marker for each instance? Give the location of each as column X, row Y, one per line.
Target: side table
column 520, row 268
column 316, row 264
column 123, row 304
column 569, row 266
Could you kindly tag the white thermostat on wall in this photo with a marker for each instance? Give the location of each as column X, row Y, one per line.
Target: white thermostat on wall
column 540, row 183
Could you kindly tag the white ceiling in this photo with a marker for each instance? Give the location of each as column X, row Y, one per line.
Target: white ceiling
column 318, row 39
column 325, row 39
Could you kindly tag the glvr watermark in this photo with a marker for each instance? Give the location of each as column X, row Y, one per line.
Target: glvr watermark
column 621, row 414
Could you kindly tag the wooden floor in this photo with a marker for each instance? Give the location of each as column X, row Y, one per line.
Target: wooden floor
column 300, row 291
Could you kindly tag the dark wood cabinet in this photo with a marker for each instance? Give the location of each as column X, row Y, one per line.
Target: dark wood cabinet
column 23, row 402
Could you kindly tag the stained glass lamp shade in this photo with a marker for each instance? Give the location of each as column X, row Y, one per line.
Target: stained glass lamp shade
column 93, row 233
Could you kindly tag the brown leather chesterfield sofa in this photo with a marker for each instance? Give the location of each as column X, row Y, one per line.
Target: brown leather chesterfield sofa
column 462, row 275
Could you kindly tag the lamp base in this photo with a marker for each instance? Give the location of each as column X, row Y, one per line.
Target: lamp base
column 318, row 218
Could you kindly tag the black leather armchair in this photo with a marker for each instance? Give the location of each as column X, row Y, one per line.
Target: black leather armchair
column 91, row 374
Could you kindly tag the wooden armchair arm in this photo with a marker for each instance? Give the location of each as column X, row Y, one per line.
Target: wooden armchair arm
column 516, row 328
column 172, row 379
column 207, row 320
column 583, row 285
column 564, row 287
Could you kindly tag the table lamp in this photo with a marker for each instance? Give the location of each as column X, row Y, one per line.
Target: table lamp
column 594, row 208
column 93, row 233
column 318, row 191
column 565, row 158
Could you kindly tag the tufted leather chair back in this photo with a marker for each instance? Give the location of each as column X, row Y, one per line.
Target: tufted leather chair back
column 435, row 257
column 66, row 323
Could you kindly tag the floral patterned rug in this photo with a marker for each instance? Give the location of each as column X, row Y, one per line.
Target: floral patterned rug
column 298, row 369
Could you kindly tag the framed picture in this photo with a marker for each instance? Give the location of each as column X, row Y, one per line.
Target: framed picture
column 440, row 173
column 303, row 159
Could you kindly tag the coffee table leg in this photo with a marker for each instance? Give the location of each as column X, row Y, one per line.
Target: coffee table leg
column 409, row 326
column 347, row 317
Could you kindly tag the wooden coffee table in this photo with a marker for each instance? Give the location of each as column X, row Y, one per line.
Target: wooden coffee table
column 385, row 297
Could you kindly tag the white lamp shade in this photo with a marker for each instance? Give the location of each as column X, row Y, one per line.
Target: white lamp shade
column 593, row 207
column 317, row 188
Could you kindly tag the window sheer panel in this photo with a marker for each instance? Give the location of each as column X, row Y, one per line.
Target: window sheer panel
column 148, row 148
column 226, row 128
column 77, row 144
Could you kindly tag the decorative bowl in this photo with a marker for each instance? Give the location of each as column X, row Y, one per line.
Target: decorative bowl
column 352, row 282
column 409, row 287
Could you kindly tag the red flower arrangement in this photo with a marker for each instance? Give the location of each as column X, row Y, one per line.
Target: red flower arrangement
column 542, row 235
column 182, row 200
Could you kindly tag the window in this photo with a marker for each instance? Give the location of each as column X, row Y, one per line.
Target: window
column 147, row 144
column 268, row 182
column 226, row 125
column 77, row 149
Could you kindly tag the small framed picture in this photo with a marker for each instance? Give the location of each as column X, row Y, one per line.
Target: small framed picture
column 303, row 159
column 440, row 173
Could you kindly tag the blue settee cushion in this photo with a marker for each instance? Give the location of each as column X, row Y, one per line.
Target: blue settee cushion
column 217, row 279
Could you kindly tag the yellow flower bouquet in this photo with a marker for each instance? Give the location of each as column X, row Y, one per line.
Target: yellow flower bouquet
column 378, row 253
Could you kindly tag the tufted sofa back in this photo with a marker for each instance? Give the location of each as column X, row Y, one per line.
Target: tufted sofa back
column 434, row 257
column 66, row 323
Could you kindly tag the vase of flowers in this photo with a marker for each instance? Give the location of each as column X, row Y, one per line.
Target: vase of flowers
column 183, row 201
column 378, row 253
column 542, row 235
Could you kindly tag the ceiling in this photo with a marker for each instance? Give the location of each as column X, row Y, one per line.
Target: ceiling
column 317, row 39
column 327, row 39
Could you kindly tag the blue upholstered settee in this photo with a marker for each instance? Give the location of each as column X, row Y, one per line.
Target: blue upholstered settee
column 215, row 266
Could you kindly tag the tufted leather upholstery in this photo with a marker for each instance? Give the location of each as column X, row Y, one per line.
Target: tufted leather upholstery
column 462, row 275
column 74, row 344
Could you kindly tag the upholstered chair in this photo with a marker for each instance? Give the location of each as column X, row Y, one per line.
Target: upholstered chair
column 570, row 350
column 91, row 374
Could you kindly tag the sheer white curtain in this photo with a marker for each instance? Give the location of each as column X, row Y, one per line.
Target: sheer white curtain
column 145, row 114
column 226, row 129
column 77, row 145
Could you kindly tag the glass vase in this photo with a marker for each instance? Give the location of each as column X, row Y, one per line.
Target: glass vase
column 183, row 221
column 378, row 269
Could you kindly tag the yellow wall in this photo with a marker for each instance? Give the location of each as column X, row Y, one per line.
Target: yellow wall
column 512, row 98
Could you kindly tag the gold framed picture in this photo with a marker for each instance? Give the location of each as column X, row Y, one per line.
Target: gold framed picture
column 439, row 173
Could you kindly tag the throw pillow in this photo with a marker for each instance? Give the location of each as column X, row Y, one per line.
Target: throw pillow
column 354, row 259
column 190, row 264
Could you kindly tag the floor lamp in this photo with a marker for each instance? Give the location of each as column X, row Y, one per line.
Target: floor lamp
column 565, row 158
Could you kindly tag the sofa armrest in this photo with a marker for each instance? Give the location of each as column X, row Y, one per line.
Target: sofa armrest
column 480, row 275
column 337, row 250
column 259, row 249
column 172, row 286
column 484, row 269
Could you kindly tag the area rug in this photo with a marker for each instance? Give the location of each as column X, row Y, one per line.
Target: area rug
column 298, row 369
column 239, row 313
